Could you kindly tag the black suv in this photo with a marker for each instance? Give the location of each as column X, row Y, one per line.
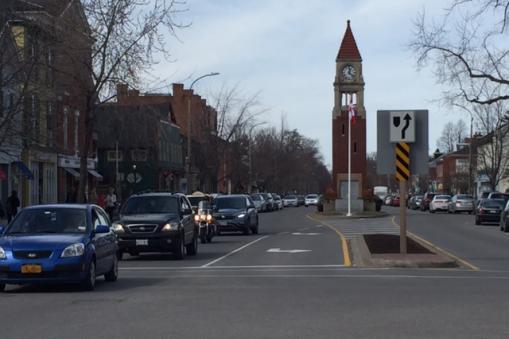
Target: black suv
column 157, row 222
column 235, row 213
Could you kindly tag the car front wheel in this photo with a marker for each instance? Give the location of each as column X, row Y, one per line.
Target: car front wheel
column 112, row 275
column 192, row 248
column 179, row 248
column 89, row 283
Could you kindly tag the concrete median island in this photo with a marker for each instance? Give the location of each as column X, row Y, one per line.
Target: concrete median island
column 382, row 250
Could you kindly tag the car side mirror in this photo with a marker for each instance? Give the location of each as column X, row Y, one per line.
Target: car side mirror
column 101, row 229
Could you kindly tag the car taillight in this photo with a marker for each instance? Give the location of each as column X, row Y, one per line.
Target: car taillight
column 481, row 211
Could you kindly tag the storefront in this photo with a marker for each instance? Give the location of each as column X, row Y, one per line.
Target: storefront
column 69, row 176
column 42, row 188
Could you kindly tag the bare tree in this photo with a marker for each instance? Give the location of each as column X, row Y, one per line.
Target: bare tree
column 468, row 49
column 452, row 135
column 119, row 45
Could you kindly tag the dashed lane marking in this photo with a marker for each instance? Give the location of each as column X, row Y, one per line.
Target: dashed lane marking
column 234, row 251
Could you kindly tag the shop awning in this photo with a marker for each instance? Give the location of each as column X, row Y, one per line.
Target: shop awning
column 95, row 174
column 72, row 171
column 24, row 170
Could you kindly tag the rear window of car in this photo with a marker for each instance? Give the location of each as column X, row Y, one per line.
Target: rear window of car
column 290, row 197
column 498, row 196
column 493, row 203
column 442, row 197
column 465, row 197
column 256, row 197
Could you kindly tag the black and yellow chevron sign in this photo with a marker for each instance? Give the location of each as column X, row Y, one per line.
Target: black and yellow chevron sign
column 402, row 161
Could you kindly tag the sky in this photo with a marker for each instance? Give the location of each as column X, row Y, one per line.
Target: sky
column 286, row 51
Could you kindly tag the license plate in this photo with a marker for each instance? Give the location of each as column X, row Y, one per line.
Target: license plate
column 31, row 269
column 141, row 242
column 222, row 223
column 493, row 212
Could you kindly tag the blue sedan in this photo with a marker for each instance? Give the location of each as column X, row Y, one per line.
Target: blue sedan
column 65, row 243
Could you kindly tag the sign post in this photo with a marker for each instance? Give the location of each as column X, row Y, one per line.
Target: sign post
column 406, row 127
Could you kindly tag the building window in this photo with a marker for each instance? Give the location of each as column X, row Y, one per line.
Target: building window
column 355, row 147
column 138, row 155
column 50, row 122
column 112, row 155
column 462, row 166
column 343, row 129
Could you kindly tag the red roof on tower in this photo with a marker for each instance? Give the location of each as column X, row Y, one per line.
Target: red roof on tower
column 348, row 49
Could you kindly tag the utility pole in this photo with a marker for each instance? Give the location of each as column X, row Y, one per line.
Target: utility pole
column 189, row 134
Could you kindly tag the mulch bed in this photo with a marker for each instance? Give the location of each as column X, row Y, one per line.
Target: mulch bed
column 389, row 243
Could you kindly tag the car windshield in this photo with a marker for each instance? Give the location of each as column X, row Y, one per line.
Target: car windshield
column 497, row 196
column 236, row 203
column 195, row 200
column 50, row 220
column 151, row 205
column 493, row 203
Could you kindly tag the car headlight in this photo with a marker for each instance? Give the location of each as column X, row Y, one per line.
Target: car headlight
column 117, row 228
column 196, row 218
column 74, row 250
column 209, row 217
column 2, row 253
column 240, row 216
column 171, row 226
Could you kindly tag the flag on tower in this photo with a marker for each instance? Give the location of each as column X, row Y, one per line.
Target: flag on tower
column 352, row 111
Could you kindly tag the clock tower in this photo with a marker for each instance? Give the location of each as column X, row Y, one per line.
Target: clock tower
column 349, row 88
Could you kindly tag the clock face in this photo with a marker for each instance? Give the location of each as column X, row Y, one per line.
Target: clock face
column 348, row 72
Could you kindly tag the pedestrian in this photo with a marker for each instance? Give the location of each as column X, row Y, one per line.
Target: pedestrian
column 101, row 200
column 12, row 205
column 111, row 202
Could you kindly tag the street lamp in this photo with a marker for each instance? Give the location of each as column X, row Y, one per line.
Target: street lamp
column 135, row 178
column 188, row 158
column 249, row 152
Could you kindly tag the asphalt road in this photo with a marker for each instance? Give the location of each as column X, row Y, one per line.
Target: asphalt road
column 287, row 282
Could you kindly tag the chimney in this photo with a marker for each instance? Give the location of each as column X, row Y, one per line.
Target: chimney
column 133, row 93
column 122, row 91
column 177, row 89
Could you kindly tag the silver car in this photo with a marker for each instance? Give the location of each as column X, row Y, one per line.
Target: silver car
column 290, row 200
column 259, row 202
column 461, row 203
column 311, row 199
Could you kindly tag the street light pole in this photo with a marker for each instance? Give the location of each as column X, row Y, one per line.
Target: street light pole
column 188, row 158
column 249, row 153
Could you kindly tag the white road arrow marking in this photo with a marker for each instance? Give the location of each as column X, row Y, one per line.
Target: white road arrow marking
column 299, row 233
column 278, row 250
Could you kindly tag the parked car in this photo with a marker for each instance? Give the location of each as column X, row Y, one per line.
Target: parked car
column 504, row 218
column 388, row 200
column 290, row 200
column 489, row 210
column 439, row 203
column 259, row 201
column 415, row 202
column 157, row 222
column 271, row 206
column 278, row 201
column 426, row 200
column 395, row 201
column 236, row 213
column 58, row 244
column 311, row 200
column 461, row 203
column 300, row 200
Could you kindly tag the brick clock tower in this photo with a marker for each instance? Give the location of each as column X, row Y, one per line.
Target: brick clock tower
column 348, row 85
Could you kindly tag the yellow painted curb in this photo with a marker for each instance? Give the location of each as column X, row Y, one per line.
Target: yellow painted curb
column 455, row 257
column 344, row 243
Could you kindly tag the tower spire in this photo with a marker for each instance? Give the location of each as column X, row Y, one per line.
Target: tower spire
column 348, row 49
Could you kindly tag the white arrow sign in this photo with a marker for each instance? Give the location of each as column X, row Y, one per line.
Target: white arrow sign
column 299, row 233
column 402, row 128
column 278, row 250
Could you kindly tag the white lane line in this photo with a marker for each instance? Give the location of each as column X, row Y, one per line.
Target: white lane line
column 234, row 251
column 164, row 268
column 299, row 233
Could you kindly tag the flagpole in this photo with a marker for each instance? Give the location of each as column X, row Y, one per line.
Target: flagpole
column 349, row 160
